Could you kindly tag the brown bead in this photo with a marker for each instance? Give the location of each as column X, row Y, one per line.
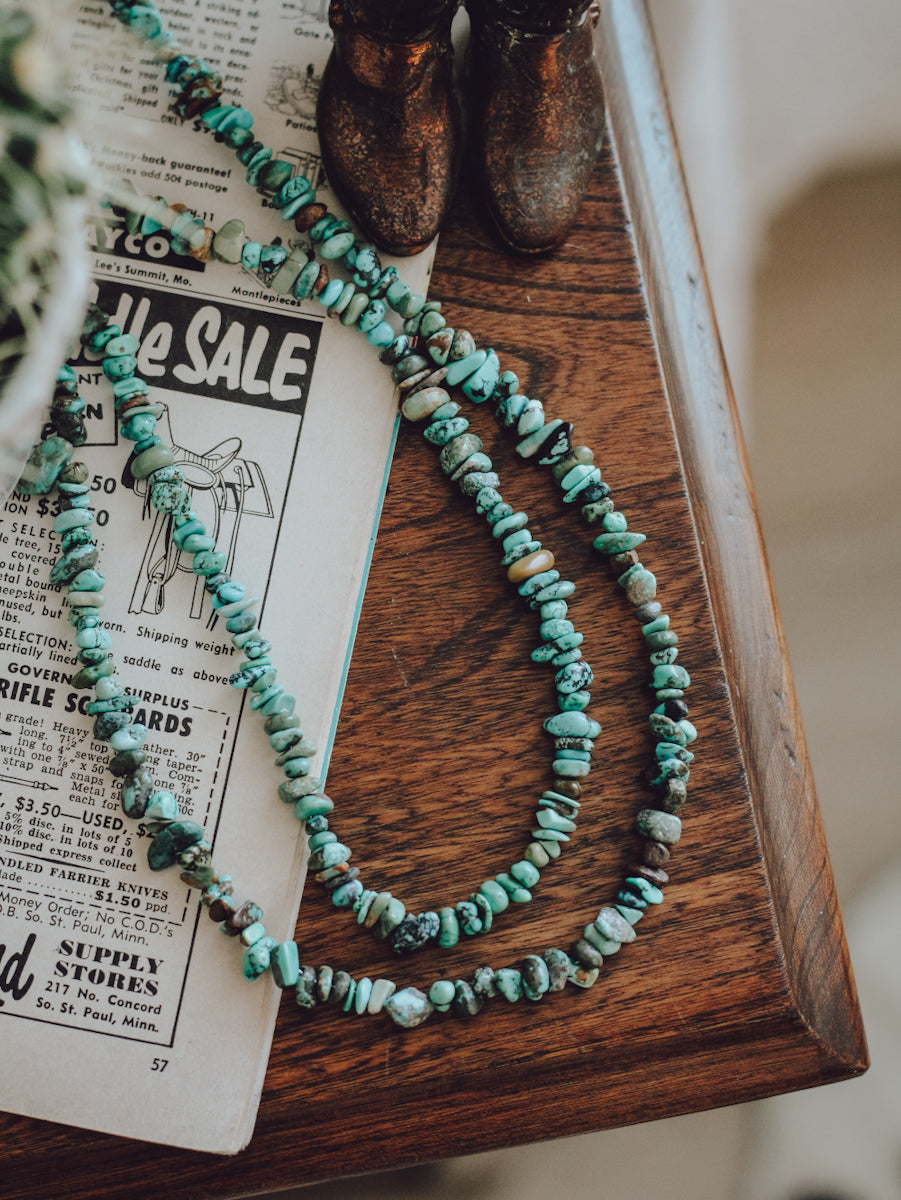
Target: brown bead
column 654, row 874
column 568, row 788
column 586, row 954
column 321, row 280
column 529, row 565
column 138, row 400
column 220, row 910
column 655, row 854
column 307, row 216
column 622, row 562
column 204, row 252
column 675, row 797
column 246, row 915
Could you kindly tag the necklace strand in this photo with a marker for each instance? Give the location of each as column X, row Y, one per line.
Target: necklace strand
column 454, row 361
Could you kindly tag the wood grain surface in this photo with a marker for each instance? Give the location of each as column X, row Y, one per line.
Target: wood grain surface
column 739, row 986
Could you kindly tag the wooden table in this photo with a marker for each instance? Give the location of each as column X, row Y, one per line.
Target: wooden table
column 740, row 986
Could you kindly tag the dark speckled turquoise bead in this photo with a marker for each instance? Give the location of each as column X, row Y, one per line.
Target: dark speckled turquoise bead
column 169, row 843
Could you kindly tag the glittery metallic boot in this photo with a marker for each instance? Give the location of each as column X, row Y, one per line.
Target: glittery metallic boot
column 539, row 115
column 389, row 119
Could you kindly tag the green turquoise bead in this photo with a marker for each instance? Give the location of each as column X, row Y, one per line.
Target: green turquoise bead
column 258, row 957
column 311, row 805
column 671, row 676
column 323, row 838
column 169, row 843
column 87, row 580
column 508, row 982
column 495, row 895
column 530, row 445
column 549, row 819
column 647, row 890
column 161, row 806
column 449, row 928
column 441, row 993
column 464, row 367
column 362, row 995
column 525, row 873
column 480, row 385
column 72, row 518
column 285, row 964
column 618, row 543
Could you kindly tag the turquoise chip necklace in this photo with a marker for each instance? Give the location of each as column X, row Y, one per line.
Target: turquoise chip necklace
column 426, row 359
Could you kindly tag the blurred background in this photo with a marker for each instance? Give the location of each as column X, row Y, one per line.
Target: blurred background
column 789, row 121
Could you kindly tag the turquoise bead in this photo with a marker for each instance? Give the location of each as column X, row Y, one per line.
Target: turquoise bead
column 441, row 994
column 145, row 22
column 525, row 873
column 530, row 446
column 296, row 768
column 169, row 843
column 409, row 1007
column 514, row 523
column 323, row 838
column 125, row 343
column 251, row 254
column 508, row 982
column 639, row 583
column 72, row 518
column 347, row 894
column 258, row 957
column 209, row 562
column 614, row 522
column 285, row 964
column 517, row 893
column 311, row 805
column 671, row 676
column 449, row 928
column 548, row 819
column 88, row 580
column 362, row 995
column 371, row 316
column 480, row 385
column 193, row 543
column 643, row 887
column 162, row 806
column 618, row 543
column 464, row 367
column 296, row 188
column 571, row 724
column 132, row 737
column 306, row 281
column 331, row 292
column 611, row 925
column 381, row 335
column 337, row 245
column 495, row 895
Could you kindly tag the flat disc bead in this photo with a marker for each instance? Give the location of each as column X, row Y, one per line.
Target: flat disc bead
column 531, row 564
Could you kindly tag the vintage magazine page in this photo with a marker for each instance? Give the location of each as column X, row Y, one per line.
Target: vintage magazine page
column 114, row 984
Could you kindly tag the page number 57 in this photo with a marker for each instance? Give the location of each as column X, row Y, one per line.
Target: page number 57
column 159, row 1064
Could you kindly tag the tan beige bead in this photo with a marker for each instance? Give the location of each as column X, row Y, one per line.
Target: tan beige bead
column 531, row 564
column 421, row 404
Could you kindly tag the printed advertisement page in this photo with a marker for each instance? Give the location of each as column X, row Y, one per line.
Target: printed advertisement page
column 115, row 987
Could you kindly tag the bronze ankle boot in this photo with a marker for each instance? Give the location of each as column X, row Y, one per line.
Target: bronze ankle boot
column 389, row 118
column 539, row 116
